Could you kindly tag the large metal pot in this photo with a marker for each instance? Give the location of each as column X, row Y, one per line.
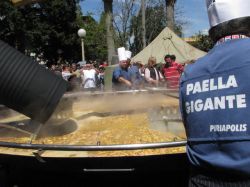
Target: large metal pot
column 76, row 161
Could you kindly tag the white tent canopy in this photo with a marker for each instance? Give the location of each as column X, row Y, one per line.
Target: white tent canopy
column 167, row 42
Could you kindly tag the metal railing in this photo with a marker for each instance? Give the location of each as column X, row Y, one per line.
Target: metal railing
column 117, row 147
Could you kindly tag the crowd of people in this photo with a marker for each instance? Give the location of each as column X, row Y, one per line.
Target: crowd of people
column 128, row 75
column 88, row 77
column 135, row 75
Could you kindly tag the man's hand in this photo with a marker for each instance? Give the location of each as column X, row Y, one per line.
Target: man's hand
column 125, row 81
column 128, row 83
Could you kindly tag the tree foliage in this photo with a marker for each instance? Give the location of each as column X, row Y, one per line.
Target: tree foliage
column 203, row 42
column 95, row 40
column 154, row 25
column 51, row 26
column 43, row 28
column 11, row 24
column 156, row 21
column 123, row 13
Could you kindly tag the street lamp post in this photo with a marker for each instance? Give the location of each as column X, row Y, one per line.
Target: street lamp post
column 82, row 33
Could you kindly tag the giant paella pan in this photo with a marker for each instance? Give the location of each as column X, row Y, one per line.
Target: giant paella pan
column 139, row 130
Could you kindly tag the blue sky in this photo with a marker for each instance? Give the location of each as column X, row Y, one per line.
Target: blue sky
column 194, row 12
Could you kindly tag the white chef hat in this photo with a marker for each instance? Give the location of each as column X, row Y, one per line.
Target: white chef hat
column 220, row 11
column 122, row 54
column 128, row 54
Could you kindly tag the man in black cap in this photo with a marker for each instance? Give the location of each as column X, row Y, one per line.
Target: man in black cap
column 215, row 100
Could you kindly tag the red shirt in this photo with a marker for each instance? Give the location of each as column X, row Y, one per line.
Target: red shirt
column 172, row 75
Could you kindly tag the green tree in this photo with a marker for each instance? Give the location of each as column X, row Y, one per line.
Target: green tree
column 95, row 40
column 123, row 12
column 42, row 28
column 155, row 23
column 203, row 42
column 11, row 25
column 57, row 29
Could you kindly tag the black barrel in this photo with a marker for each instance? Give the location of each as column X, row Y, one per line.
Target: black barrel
column 27, row 87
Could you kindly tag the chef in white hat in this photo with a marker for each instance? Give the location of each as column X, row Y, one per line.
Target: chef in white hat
column 215, row 100
column 128, row 54
column 121, row 78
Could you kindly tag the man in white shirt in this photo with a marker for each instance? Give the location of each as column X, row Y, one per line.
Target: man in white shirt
column 88, row 75
column 66, row 74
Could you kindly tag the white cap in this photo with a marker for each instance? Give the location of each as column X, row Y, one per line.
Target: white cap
column 220, row 11
column 128, row 54
column 122, row 54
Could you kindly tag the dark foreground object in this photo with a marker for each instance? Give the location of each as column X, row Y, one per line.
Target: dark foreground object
column 28, row 87
column 162, row 170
